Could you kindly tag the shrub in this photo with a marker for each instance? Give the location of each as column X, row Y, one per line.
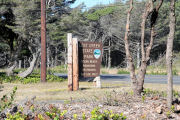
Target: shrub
column 106, row 115
column 6, row 101
column 33, row 78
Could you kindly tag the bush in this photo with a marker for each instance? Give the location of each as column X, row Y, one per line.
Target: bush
column 53, row 113
column 149, row 92
column 6, row 101
column 106, row 115
column 33, row 78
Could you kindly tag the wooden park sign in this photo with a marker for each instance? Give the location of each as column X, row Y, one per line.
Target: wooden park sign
column 90, row 55
column 84, row 60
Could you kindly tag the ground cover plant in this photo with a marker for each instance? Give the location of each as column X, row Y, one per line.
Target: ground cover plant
column 33, row 78
column 31, row 111
column 52, row 101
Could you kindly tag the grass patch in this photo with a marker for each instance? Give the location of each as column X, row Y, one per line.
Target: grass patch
column 33, row 78
column 122, row 71
column 160, row 70
column 151, row 92
column 58, row 69
column 109, row 71
column 59, row 90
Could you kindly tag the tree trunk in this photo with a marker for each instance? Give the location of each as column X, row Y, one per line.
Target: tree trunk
column 13, row 60
column 140, row 78
column 20, row 63
column 48, row 56
column 25, row 59
column 138, row 82
column 9, row 71
column 106, row 60
column 138, row 55
column 169, row 54
column 128, row 54
column 65, row 59
column 109, row 56
column 31, row 68
column 56, row 56
column 146, row 53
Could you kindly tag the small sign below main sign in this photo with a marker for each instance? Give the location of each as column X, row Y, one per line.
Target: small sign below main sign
column 90, row 56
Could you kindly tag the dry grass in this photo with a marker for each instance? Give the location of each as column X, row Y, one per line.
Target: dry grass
column 58, row 91
column 109, row 71
column 161, row 87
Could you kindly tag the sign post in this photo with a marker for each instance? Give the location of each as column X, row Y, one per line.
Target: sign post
column 70, row 63
column 43, row 41
column 84, row 60
column 75, row 65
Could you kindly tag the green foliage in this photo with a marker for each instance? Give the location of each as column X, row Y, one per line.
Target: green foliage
column 174, row 71
column 157, row 73
column 75, row 117
column 83, row 116
column 40, row 116
column 6, row 102
column 9, row 79
column 33, row 78
column 16, row 116
column 169, row 112
column 121, row 71
column 56, row 114
column 100, row 12
column 160, row 70
column 149, row 92
column 106, row 115
column 176, row 94
column 143, row 98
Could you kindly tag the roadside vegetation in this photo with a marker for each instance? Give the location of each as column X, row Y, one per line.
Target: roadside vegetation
column 113, row 101
column 136, row 49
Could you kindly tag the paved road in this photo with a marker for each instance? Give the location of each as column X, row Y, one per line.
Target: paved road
column 162, row 79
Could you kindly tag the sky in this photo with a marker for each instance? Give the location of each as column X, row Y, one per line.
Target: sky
column 91, row 3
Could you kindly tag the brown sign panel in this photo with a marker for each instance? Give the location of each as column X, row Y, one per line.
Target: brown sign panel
column 90, row 56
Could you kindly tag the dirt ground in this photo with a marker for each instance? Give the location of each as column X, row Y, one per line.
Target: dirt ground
column 113, row 96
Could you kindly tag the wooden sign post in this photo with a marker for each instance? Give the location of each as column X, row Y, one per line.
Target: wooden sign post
column 70, row 63
column 73, row 68
column 75, row 65
column 84, row 60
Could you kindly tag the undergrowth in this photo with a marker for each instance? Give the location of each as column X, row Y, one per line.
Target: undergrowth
column 50, row 113
column 6, row 101
column 149, row 92
column 33, row 78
